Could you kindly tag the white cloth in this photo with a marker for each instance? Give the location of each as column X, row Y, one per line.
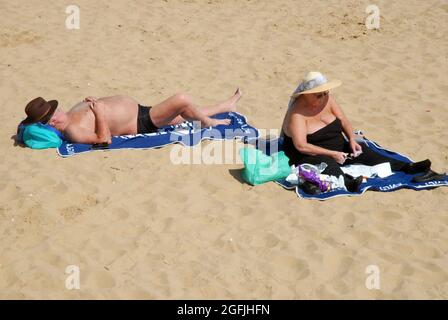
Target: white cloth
column 381, row 170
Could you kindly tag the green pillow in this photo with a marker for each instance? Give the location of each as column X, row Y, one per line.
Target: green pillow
column 39, row 136
column 260, row 168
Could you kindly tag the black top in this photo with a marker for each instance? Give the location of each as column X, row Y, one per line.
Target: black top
column 329, row 137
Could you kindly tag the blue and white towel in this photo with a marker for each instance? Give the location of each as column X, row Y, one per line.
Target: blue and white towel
column 184, row 133
column 391, row 183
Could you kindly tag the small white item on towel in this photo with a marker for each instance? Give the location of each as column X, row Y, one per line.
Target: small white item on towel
column 381, row 170
column 293, row 178
column 335, row 182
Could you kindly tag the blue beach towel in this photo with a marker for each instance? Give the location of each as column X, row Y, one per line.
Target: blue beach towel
column 394, row 182
column 184, row 133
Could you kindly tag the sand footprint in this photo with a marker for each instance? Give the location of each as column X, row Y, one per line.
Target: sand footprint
column 289, row 267
column 426, row 119
column 340, row 287
column 349, row 218
column 120, row 213
column 60, row 188
column 389, row 215
column 345, row 266
column 340, row 265
column 150, row 206
column 102, row 280
column 168, row 222
column 271, row 240
column 72, row 212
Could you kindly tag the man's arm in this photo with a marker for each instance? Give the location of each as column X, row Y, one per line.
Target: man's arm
column 78, row 135
column 101, row 134
column 101, row 127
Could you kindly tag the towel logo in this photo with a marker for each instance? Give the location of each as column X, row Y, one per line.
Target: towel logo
column 391, row 187
column 70, row 148
column 433, row 184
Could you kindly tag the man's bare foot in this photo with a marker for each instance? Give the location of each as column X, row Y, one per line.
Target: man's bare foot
column 217, row 122
column 234, row 100
column 230, row 104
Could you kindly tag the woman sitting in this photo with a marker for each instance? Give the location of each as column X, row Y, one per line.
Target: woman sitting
column 313, row 132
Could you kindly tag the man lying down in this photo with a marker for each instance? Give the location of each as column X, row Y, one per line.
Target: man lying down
column 96, row 120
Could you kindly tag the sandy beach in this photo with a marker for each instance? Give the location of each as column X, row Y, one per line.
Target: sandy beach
column 140, row 227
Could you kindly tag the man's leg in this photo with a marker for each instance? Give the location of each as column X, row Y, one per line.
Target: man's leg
column 180, row 107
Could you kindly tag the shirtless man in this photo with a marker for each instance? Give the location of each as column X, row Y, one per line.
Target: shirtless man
column 96, row 120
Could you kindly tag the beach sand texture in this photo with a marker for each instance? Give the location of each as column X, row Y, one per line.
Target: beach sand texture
column 140, row 227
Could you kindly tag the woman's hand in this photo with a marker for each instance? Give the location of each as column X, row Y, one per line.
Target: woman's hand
column 339, row 157
column 355, row 147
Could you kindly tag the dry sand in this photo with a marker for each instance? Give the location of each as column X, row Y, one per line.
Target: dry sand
column 140, row 227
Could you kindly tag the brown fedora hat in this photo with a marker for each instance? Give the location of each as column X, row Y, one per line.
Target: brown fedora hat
column 39, row 110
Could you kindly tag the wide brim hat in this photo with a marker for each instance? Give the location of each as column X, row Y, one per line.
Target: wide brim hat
column 315, row 82
column 39, row 110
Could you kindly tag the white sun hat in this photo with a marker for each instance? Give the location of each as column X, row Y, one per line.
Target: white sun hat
column 315, row 82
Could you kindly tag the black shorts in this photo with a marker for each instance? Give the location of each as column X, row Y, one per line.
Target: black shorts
column 144, row 121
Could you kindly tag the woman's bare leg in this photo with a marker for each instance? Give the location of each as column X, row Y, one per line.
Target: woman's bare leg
column 180, row 107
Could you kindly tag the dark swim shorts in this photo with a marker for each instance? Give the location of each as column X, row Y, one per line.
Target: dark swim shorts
column 144, row 121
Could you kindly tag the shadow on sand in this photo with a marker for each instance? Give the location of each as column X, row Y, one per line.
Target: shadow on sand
column 238, row 175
